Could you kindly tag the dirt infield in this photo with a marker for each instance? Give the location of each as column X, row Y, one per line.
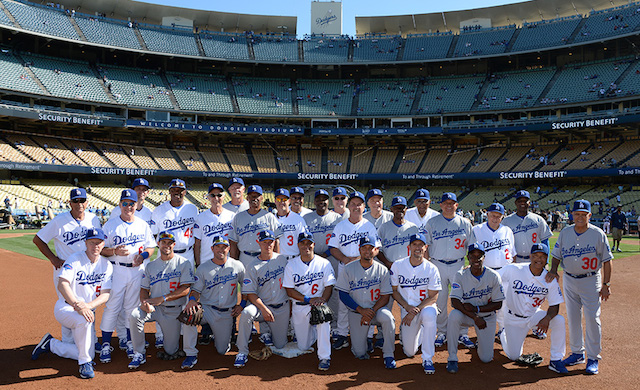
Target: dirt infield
column 27, row 293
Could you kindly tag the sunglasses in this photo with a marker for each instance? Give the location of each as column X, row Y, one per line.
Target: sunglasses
column 281, row 200
column 339, row 197
column 216, row 195
column 78, row 200
column 127, row 204
column 166, row 236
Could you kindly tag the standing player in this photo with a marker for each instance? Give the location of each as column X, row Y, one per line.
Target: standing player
column 178, row 218
column 165, row 284
column 339, row 201
column 246, row 226
column 141, row 186
column 527, row 287
column 216, row 221
column 129, row 242
column 416, row 284
column 365, row 289
column 583, row 250
column 476, row 295
column 84, row 284
column 448, row 236
column 394, row 235
column 309, row 280
column 263, row 287
column 216, row 288
column 236, row 190
column 297, row 199
column 376, row 214
column 344, row 246
column 528, row 228
column 618, row 224
column 290, row 224
column 421, row 213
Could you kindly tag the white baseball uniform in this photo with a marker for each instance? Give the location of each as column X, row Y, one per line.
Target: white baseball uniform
column 180, row 222
column 209, row 225
column 144, row 213
column 499, row 245
column 290, row 225
column 528, row 230
column 246, row 228
column 412, row 215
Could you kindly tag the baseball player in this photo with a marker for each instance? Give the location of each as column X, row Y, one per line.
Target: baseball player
column 236, row 190
column 339, row 201
column 344, row 246
column 618, row 224
column 177, row 217
column 376, row 215
column 262, row 284
column 141, row 186
column 476, row 295
column 526, row 290
column 297, row 200
column 290, row 224
column 364, row 287
column 394, row 235
column 68, row 231
column 216, row 288
column 416, row 286
column 583, row 250
column 165, row 284
column 421, row 212
column 309, row 280
column 321, row 223
column 246, row 226
column 528, row 228
column 216, row 221
column 448, row 236
column 129, row 242
column 84, row 284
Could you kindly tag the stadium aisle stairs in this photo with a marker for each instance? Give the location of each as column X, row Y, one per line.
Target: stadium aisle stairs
column 178, row 159
column 513, row 39
column 77, row 28
column 576, row 31
column 416, row 99
column 470, row 163
column 550, row 84
column 398, row 159
column 232, row 92
column 252, row 160
column 498, row 160
column 167, row 85
column 483, row 89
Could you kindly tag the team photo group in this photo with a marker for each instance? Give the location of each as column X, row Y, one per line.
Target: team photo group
column 297, row 279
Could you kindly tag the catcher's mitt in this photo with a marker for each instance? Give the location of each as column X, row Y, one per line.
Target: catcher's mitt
column 530, row 360
column 262, row 354
column 320, row 314
column 191, row 319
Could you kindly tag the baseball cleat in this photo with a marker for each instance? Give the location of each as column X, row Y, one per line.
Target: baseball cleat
column 42, row 347
column 137, row 361
column 379, row 342
column 189, row 362
column 86, row 370
column 539, row 334
column 466, row 341
column 592, row 366
column 370, row 347
column 452, row 367
column 122, row 344
column 324, row 364
column 573, row 359
column 241, row 360
column 105, row 353
column 159, row 342
column 389, row 363
column 341, row 342
column 617, row 250
column 558, row 366
column 205, row 339
column 428, row 367
column 97, row 347
column 130, row 351
column 440, row 340
column 266, row 339
column 498, row 335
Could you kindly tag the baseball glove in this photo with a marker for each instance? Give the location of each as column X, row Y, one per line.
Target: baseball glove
column 320, row 314
column 530, row 360
column 191, row 319
column 262, row 354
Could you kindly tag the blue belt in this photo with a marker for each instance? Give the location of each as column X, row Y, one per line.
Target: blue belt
column 581, row 275
column 129, row 265
column 219, row 309
column 522, row 257
column 449, row 262
column 517, row 315
column 277, row 306
column 301, row 303
column 182, row 250
column 251, row 253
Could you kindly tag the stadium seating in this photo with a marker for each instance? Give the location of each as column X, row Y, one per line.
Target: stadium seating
column 265, row 159
column 427, row 46
column 312, row 160
column 107, row 31
column 191, row 160
column 435, row 159
column 277, row 48
column 42, row 19
column 459, row 159
column 510, row 159
column 629, row 148
column 593, row 155
column 606, row 23
column 141, row 157
column 565, row 156
column 386, row 97
column 200, row 93
column 4, row 19
column 133, row 87
column 214, row 158
column 164, row 158
column 411, row 159
column 166, row 40
column 361, row 159
column 288, row 159
column 238, row 158
column 449, row 94
column 325, row 97
column 484, row 42
column 87, row 153
column 319, row 49
column 32, row 149
column 385, row 159
column 58, row 150
column 376, row 49
column 13, row 75
column 509, row 90
column 545, row 34
column 487, row 157
column 116, row 154
column 337, row 160
column 263, row 95
column 223, row 45
column 481, row 197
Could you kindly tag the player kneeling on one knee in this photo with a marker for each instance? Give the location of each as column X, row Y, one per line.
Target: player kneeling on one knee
column 526, row 290
column 84, row 284
column 416, row 283
column 216, row 288
column 270, row 305
column 476, row 294
column 365, row 289
column 165, row 284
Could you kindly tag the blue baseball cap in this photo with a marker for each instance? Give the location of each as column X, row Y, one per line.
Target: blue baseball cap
column 418, row 236
column 321, row 192
column 177, row 183
column 140, row 182
column 254, row 188
column 219, row 240
column 78, row 193
column 128, row 195
column 282, row 192
column 356, row 194
column 213, row 186
column 423, row 194
column 540, row 248
column 266, row 235
column 373, row 192
column 305, row 236
column 399, row 200
column 449, row 196
column 95, row 233
column 340, row 191
column 166, row 235
column 522, row 194
column 297, row 190
column 581, row 205
column 496, row 207
column 235, row 180
column 367, row 241
column 475, row 246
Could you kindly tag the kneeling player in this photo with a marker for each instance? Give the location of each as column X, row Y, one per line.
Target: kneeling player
column 476, row 294
column 526, row 290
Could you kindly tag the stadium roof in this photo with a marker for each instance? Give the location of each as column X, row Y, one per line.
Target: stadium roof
column 209, row 20
column 530, row 11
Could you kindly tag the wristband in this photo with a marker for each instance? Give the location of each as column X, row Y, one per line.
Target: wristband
column 145, row 255
column 307, row 299
column 243, row 303
column 164, row 298
column 478, row 307
column 192, row 298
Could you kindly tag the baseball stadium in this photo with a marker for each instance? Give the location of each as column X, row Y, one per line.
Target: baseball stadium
column 541, row 96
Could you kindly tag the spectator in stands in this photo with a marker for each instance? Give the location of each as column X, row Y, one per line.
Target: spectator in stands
column 618, row 224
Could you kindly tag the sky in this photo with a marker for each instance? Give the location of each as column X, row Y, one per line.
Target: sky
column 350, row 8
